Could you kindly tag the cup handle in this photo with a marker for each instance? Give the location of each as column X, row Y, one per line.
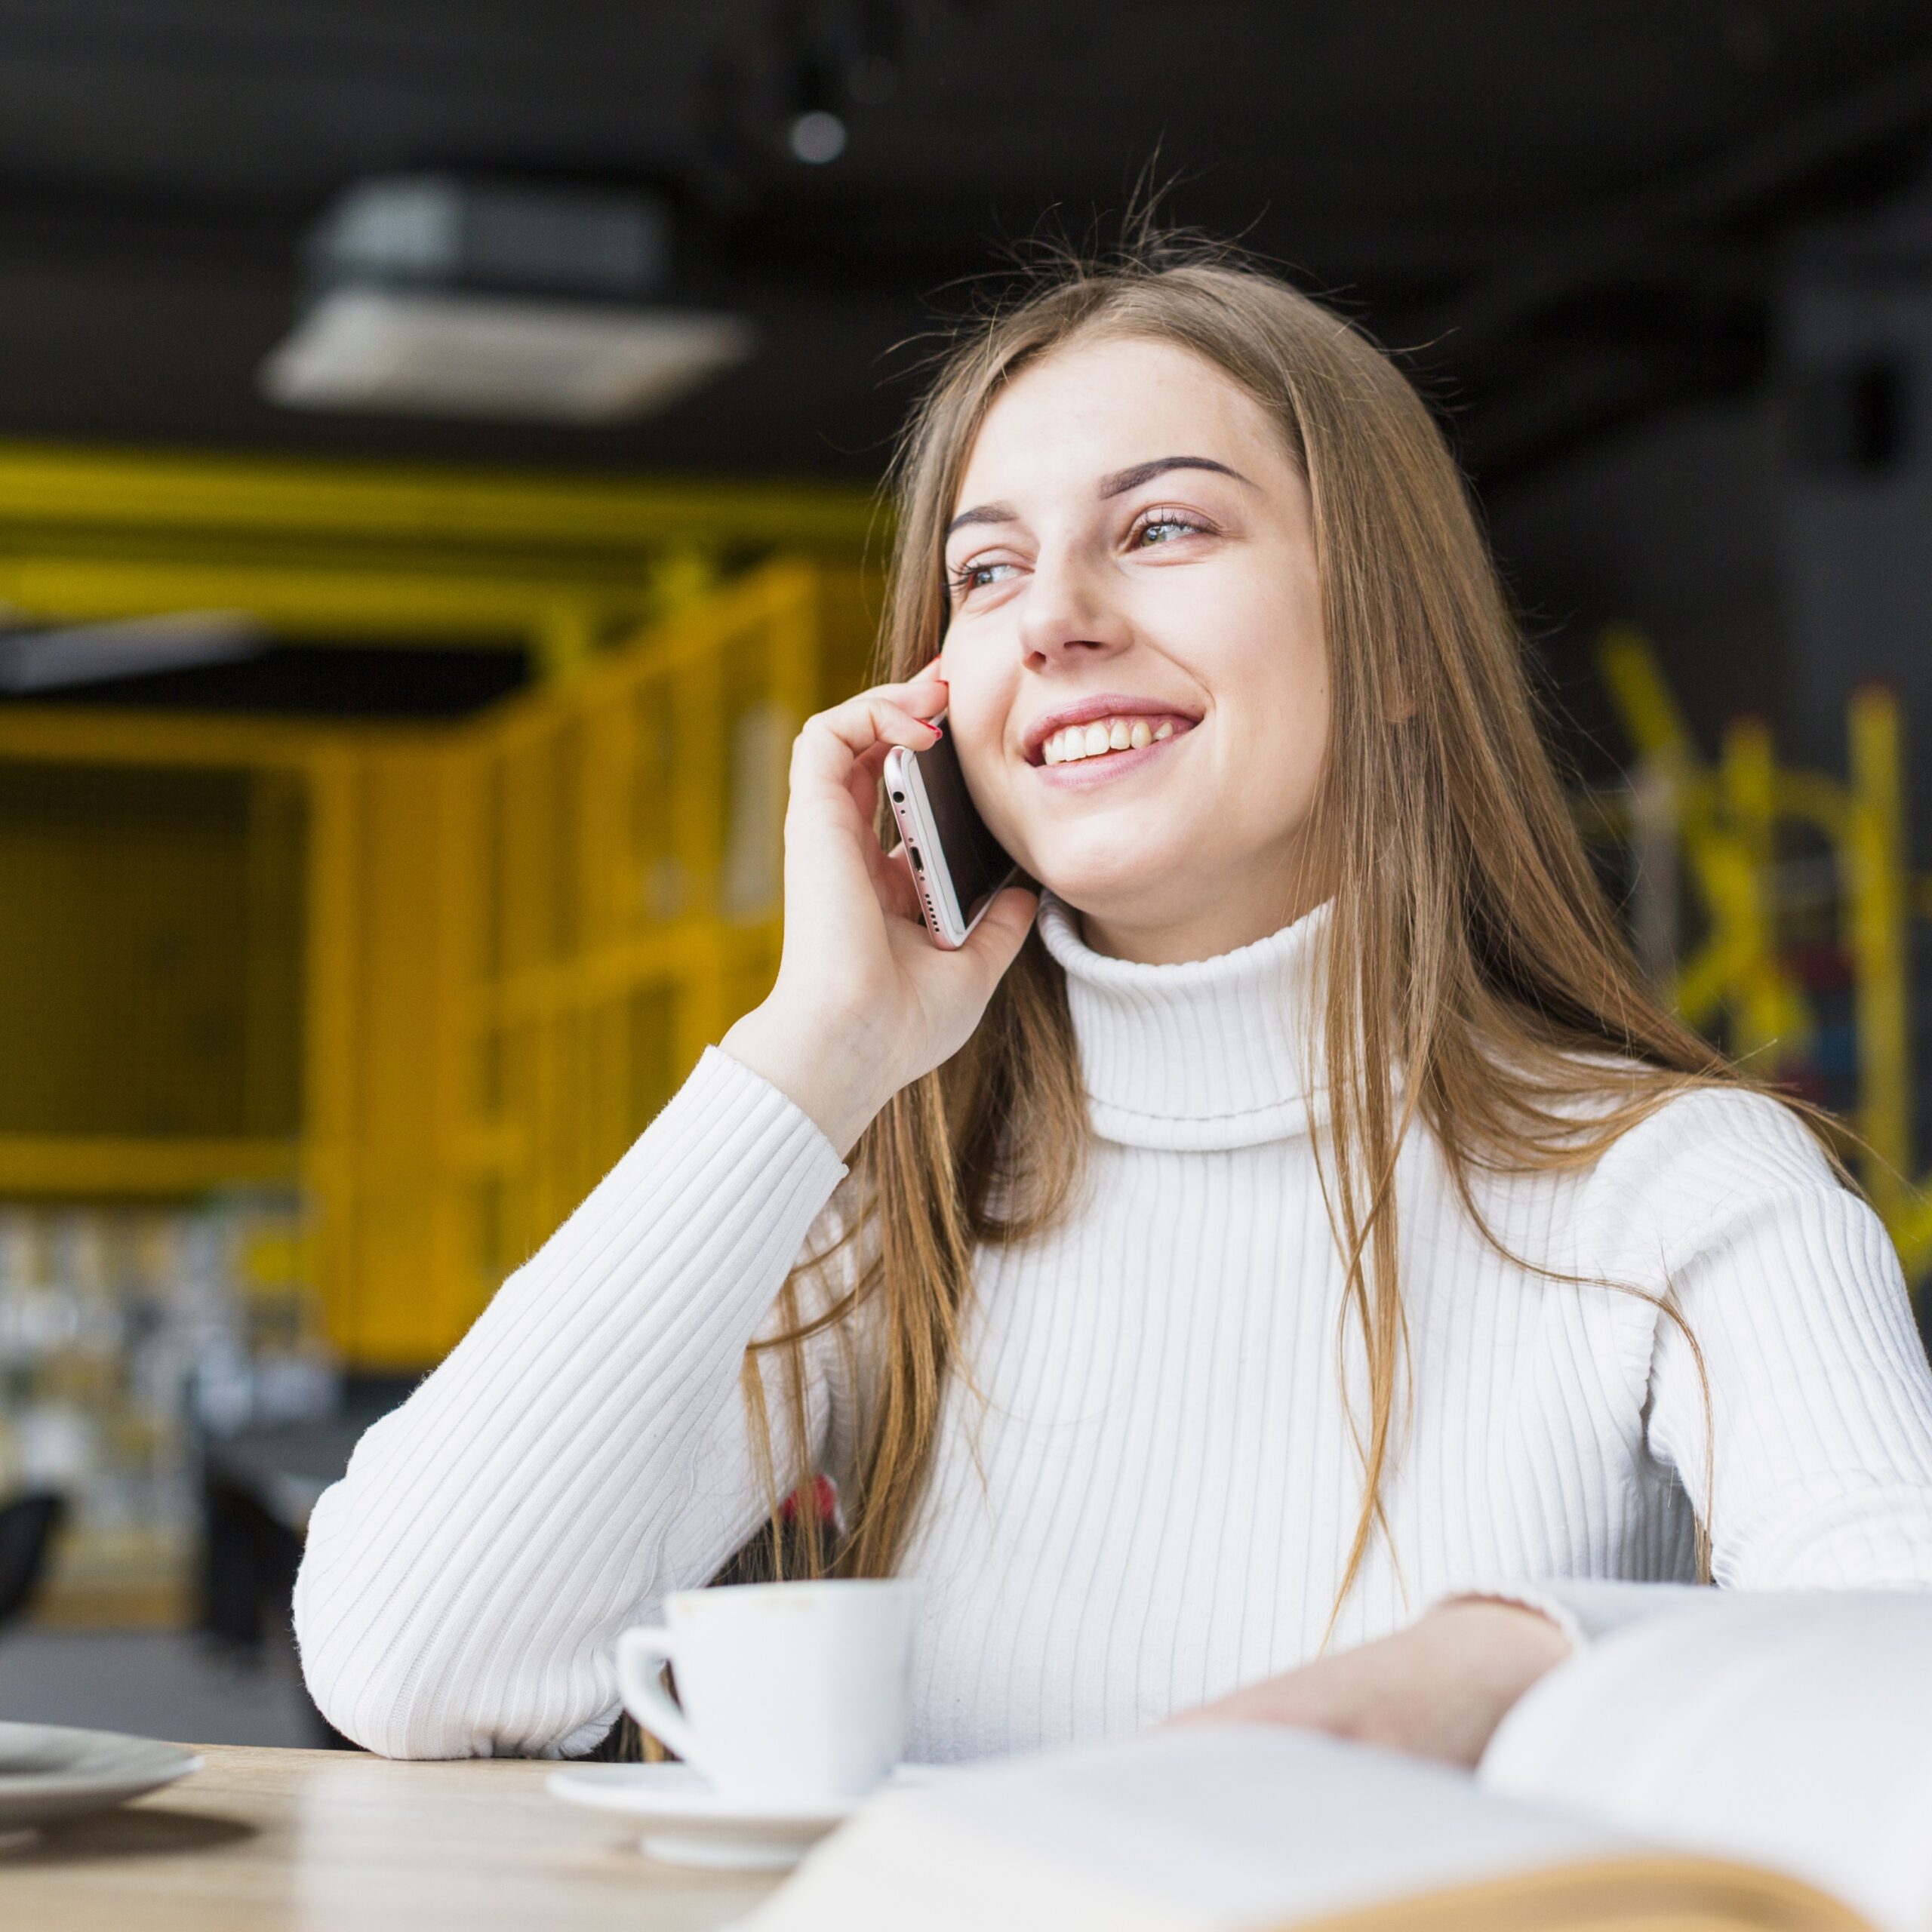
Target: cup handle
column 642, row 1655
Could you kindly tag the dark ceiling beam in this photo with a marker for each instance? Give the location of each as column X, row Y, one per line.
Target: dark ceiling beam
column 1587, row 391
column 1659, row 297
column 1621, row 239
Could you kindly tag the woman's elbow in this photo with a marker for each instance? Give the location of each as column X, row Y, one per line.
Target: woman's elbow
column 362, row 1686
column 388, row 1713
column 382, row 1687
column 384, row 1700
column 367, row 1674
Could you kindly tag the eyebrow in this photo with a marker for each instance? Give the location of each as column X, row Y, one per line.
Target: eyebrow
column 985, row 513
column 1124, row 480
column 1118, row 484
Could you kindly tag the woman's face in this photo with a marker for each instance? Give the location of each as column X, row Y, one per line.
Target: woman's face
column 1132, row 553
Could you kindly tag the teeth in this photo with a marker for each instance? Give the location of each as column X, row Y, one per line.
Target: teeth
column 1119, row 734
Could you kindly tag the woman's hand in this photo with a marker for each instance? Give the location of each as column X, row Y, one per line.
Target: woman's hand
column 864, row 1002
column 1438, row 1689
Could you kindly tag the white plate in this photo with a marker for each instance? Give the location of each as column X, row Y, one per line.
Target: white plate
column 690, row 1824
column 48, row 1772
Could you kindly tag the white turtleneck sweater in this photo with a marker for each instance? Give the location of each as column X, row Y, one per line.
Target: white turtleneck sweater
column 1150, row 1500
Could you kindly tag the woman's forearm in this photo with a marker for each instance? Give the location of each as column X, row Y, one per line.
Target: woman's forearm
column 1437, row 1688
column 464, row 1585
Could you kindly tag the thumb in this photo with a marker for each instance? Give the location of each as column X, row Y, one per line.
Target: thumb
column 995, row 941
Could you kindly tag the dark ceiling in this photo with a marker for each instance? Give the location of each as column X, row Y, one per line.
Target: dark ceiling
column 1573, row 209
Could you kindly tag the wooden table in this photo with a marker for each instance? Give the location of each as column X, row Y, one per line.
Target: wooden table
column 337, row 1841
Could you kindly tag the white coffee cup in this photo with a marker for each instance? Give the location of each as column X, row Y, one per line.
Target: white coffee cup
column 791, row 1694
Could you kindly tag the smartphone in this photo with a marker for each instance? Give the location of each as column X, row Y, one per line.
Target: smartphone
column 958, row 865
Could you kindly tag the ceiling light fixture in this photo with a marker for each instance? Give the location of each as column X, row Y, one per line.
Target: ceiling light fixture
column 433, row 295
column 457, row 355
column 46, row 660
column 818, row 137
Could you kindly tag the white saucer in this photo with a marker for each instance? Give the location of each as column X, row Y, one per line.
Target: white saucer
column 690, row 1824
column 51, row 1771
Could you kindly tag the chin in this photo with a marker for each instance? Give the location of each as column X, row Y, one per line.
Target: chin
column 1113, row 885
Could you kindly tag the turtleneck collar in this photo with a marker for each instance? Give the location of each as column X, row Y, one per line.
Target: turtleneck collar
column 1207, row 1054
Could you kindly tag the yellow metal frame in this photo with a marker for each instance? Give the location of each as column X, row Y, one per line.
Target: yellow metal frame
column 497, row 993
column 1727, row 820
column 125, row 493
column 323, row 552
column 553, row 996
column 488, row 935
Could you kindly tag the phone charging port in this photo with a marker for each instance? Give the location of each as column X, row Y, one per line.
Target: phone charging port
column 918, row 864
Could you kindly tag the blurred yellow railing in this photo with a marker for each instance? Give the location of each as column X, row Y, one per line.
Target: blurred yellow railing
column 622, row 839
column 516, row 935
column 437, row 978
column 1727, row 822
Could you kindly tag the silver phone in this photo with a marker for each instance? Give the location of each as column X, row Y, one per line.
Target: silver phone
column 958, row 865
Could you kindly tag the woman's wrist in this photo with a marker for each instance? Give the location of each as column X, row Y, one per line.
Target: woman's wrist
column 1437, row 1688
column 1517, row 1642
column 826, row 1066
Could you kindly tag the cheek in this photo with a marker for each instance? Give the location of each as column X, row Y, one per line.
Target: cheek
column 1271, row 690
column 1263, row 653
column 975, row 720
column 978, row 713
column 1296, row 751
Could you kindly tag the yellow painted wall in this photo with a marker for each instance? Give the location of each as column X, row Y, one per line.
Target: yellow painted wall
column 382, row 1141
column 148, row 981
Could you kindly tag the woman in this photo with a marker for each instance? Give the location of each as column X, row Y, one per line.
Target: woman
column 1292, row 1261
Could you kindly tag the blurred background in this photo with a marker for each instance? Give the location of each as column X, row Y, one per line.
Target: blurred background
column 438, row 451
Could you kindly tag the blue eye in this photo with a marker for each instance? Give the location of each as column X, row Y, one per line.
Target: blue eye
column 976, row 576
column 1169, row 528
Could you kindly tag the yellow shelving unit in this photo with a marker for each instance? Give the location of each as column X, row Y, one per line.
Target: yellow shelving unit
column 583, row 893
column 435, row 978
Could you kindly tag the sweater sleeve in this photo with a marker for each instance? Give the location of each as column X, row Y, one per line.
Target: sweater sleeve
column 1584, row 1608
column 582, row 1452
column 1820, row 1397
column 1819, row 1472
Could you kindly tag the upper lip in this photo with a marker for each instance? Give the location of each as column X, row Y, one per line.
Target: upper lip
column 1103, row 704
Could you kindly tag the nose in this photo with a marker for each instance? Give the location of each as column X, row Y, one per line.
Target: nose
column 1067, row 613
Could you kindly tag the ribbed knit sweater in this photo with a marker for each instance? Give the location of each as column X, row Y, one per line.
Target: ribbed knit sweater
column 1146, row 1495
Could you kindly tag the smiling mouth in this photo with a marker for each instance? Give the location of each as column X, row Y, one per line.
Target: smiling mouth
column 1108, row 737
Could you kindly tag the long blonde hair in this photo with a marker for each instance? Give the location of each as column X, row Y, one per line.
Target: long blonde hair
column 1472, row 950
